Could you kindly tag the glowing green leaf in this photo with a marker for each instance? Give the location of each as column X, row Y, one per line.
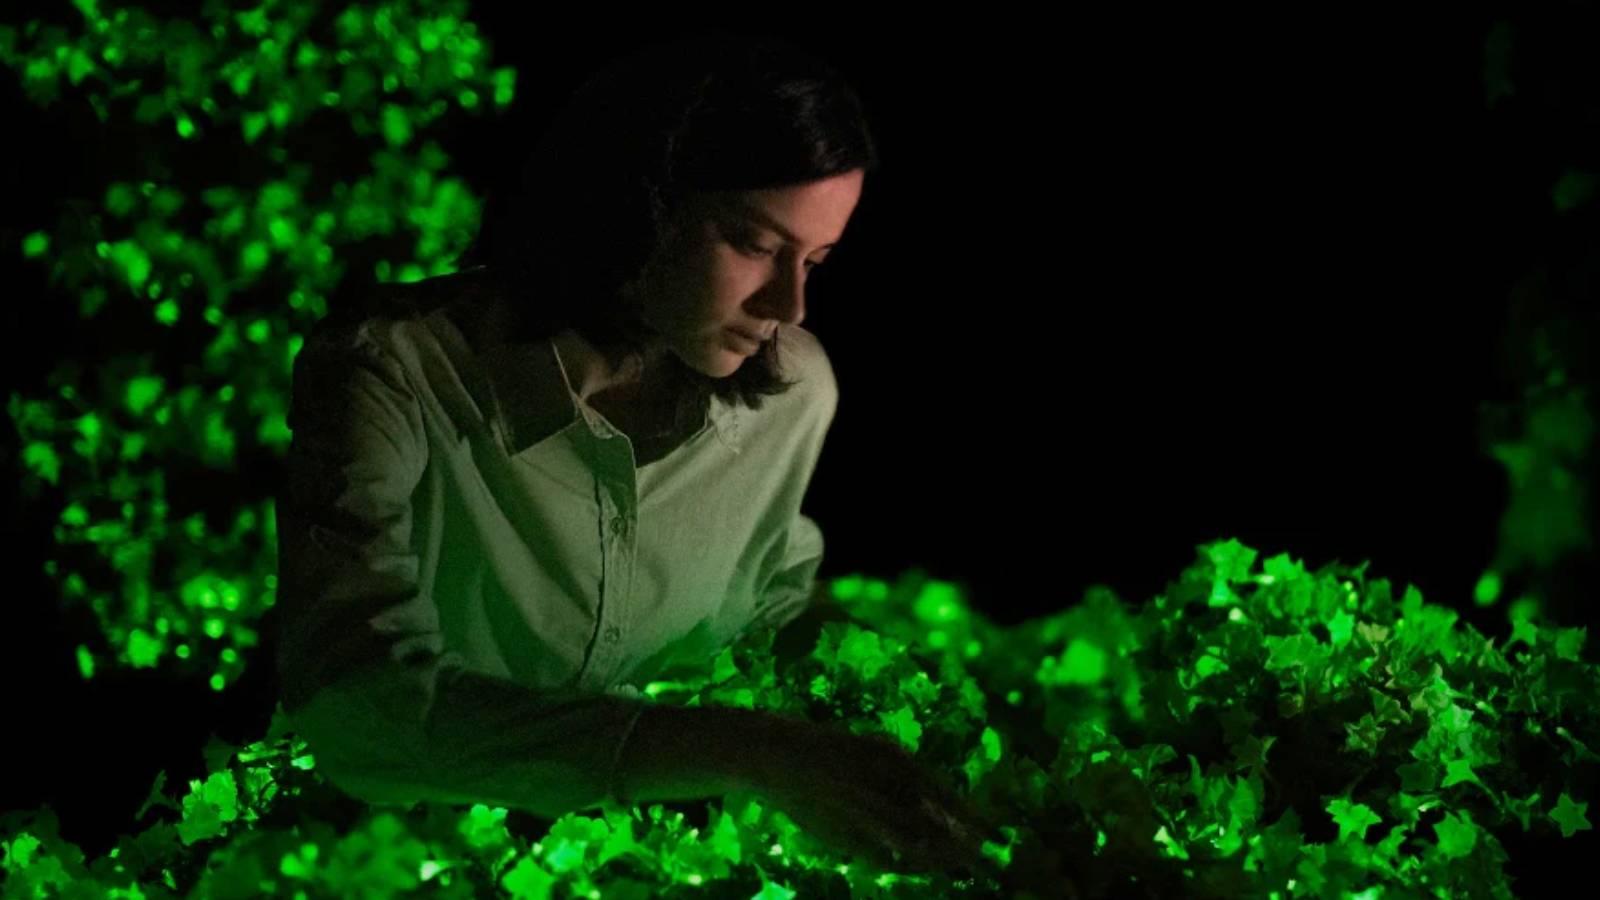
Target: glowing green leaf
column 903, row 725
column 528, row 880
column 1081, row 663
column 1569, row 642
column 773, row 891
column 1457, row 771
column 1231, row 559
column 1340, row 628
column 1487, row 590
column 1288, row 652
column 1570, row 816
column 862, row 651
column 41, row 459
column 143, row 390
column 144, row 651
column 920, row 689
column 1352, row 818
column 991, row 744
column 1457, row 834
column 1171, row 846
column 938, row 603
column 724, row 839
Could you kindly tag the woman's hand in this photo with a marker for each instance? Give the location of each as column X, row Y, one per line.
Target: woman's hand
column 867, row 797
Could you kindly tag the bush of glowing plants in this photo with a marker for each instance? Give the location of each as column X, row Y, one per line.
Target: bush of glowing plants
column 1257, row 729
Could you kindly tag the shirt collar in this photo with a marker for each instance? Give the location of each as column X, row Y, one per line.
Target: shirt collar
column 527, row 388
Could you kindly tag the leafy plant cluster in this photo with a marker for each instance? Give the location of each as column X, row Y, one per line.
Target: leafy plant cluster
column 1256, row 730
column 265, row 149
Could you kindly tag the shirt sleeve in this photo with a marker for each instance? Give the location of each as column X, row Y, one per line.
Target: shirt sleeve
column 790, row 590
column 389, row 714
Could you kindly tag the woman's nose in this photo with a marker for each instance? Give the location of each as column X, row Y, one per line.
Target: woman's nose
column 786, row 297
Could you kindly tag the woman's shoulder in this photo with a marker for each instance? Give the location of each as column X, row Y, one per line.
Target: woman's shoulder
column 370, row 313
column 396, row 300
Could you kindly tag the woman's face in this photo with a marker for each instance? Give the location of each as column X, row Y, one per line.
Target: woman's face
column 737, row 262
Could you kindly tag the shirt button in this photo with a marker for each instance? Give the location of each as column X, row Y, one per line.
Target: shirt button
column 619, row 526
column 612, row 633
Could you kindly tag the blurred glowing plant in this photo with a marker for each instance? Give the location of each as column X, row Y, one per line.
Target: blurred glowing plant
column 202, row 282
column 1256, row 730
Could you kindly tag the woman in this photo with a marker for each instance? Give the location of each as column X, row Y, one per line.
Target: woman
column 518, row 492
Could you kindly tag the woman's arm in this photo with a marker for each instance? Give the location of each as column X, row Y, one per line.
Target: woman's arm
column 390, row 714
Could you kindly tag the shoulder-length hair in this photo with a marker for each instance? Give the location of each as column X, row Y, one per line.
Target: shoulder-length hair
column 648, row 132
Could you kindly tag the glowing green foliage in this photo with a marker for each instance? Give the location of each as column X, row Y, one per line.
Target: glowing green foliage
column 1418, row 761
column 228, row 276
column 35, row 244
column 142, row 392
column 1353, row 819
column 903, row 725
column 1570, row 816
column 1457, row 835
column 1487, row 590
column 1082, row 663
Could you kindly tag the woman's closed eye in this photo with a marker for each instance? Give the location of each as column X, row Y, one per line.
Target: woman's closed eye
column 754, row 249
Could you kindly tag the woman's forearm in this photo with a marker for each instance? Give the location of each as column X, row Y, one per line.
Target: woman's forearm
column 691, row 752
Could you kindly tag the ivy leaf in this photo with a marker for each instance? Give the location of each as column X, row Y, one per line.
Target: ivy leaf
column 382, row 859
column 862, row 651
column 1340, row 626
column 1371, row 633
column 1353, row 818
column 567, row 843
column 973, row 701
column 919, row 688
column 1457, row 771
column 1524, row 808
column 1363, row 735
column 620, row 842
column 528, row 881
column 209, row 805
column 903, row 724
column 724, row 839
column 1526, row 631
column 1232, row 559
column 1288, row 652
column 157, row 797
column 222, row 792
column 1252, row 751
column 484, row 827
column 1279, row 848
column 200, row 821
column 1457, row 835
column 1569, row 816
column 1386, row 708
column 771, row 890
column 1568, row 642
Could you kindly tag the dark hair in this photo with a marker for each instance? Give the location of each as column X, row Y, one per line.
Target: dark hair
column 649, row 131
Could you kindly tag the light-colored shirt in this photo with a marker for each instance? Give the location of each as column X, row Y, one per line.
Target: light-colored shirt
column 475, row 577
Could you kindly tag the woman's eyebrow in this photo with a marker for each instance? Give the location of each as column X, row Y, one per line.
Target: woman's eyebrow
column 759, row 216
